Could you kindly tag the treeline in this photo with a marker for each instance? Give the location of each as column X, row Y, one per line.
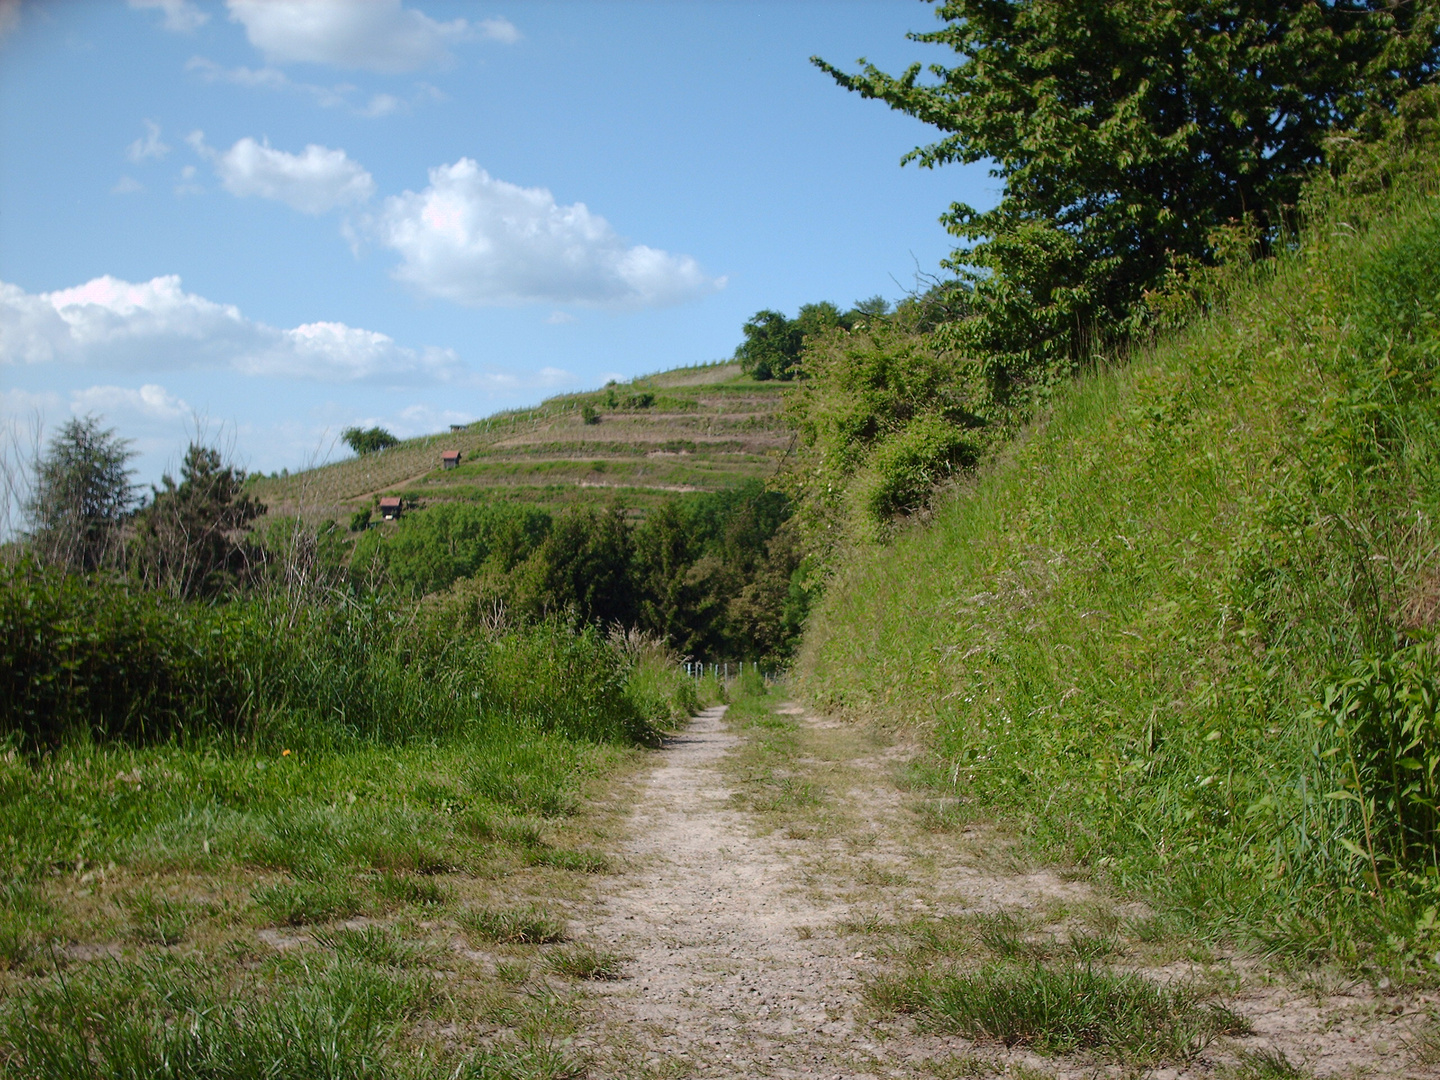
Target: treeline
column 717, row 575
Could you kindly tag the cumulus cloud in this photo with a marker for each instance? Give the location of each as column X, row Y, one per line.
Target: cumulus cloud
column 317, row 180
column 378, row 35
column 148, row 145
column 127, row 185
column 150, row 402
column 181, row 16
column 480, row 241
column 155, row 324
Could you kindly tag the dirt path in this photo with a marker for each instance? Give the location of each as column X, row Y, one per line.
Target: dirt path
column 748, row 926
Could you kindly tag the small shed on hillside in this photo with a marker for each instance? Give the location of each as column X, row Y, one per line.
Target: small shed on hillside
column 390, row 508
column 449, row 459
column 458, row 427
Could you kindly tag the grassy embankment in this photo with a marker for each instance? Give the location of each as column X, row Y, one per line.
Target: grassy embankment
column 1170, row 632
column 691, row 429
column 272, row 840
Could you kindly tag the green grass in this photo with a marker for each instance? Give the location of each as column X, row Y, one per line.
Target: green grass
column 1120, row 634
column 172, row 809
column 187, row 1017
column 712, row 427
column 375, row 945
column 512, row 926
column 586, row 962
column 1060, row 1010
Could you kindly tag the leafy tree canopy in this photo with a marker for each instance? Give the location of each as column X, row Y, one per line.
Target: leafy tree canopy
column 1126, row 132
column 82, row 492
column 773, row 343
column 191, row 539
column 368, row 441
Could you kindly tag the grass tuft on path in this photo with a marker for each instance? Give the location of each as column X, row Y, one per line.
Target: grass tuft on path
column 1060, row 1010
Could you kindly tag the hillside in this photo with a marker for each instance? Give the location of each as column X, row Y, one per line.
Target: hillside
column 690, row 429
column 1177, row 633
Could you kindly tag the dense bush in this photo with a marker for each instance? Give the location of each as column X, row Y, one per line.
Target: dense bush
column 93, row 658
column 81, row 655
column 887, row 398
column 711, row 573
column 430, row 550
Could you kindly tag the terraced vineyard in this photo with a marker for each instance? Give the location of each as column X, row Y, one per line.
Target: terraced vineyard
column 691, row 429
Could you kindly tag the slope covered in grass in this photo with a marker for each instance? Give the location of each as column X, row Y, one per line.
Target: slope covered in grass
column 691, row 429
column 1177, row 631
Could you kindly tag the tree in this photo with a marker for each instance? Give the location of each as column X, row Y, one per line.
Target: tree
column 771, row 346
column 583, row 564
column 81, row 495
column 773, row 343
column 1127, row 132
column 190, row 540
column 368, row 441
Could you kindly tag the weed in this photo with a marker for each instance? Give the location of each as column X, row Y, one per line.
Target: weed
column 1088, row 947
column 521, row 1063
column 1004, row 934
column 158, row 920
column 181, row 1019
column 1423, row 1040
column 518, row 926
column 963, row 1067
column 514, row 972
column 519, row 832
column 584, row 961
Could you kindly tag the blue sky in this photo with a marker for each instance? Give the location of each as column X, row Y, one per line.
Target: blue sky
column 276, row 219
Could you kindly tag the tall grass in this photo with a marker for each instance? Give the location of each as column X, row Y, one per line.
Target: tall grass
column 1180, row 631
column 98, row 659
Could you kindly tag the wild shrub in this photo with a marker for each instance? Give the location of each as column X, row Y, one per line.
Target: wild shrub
column 886, row 404
column 907, row 466
column 93, row 657
column 98, row 659
column 433, row 548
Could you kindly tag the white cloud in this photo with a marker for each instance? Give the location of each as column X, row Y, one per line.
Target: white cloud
column 150, row 402
column 501, row 30
column 481, row 241
column 181, row 16
column 376, row 35
column 187, row 185
column 340, row 95
column 148, row 145
column 317, row 180
column 560, row 318
column 155, row 325
column 127, row 185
